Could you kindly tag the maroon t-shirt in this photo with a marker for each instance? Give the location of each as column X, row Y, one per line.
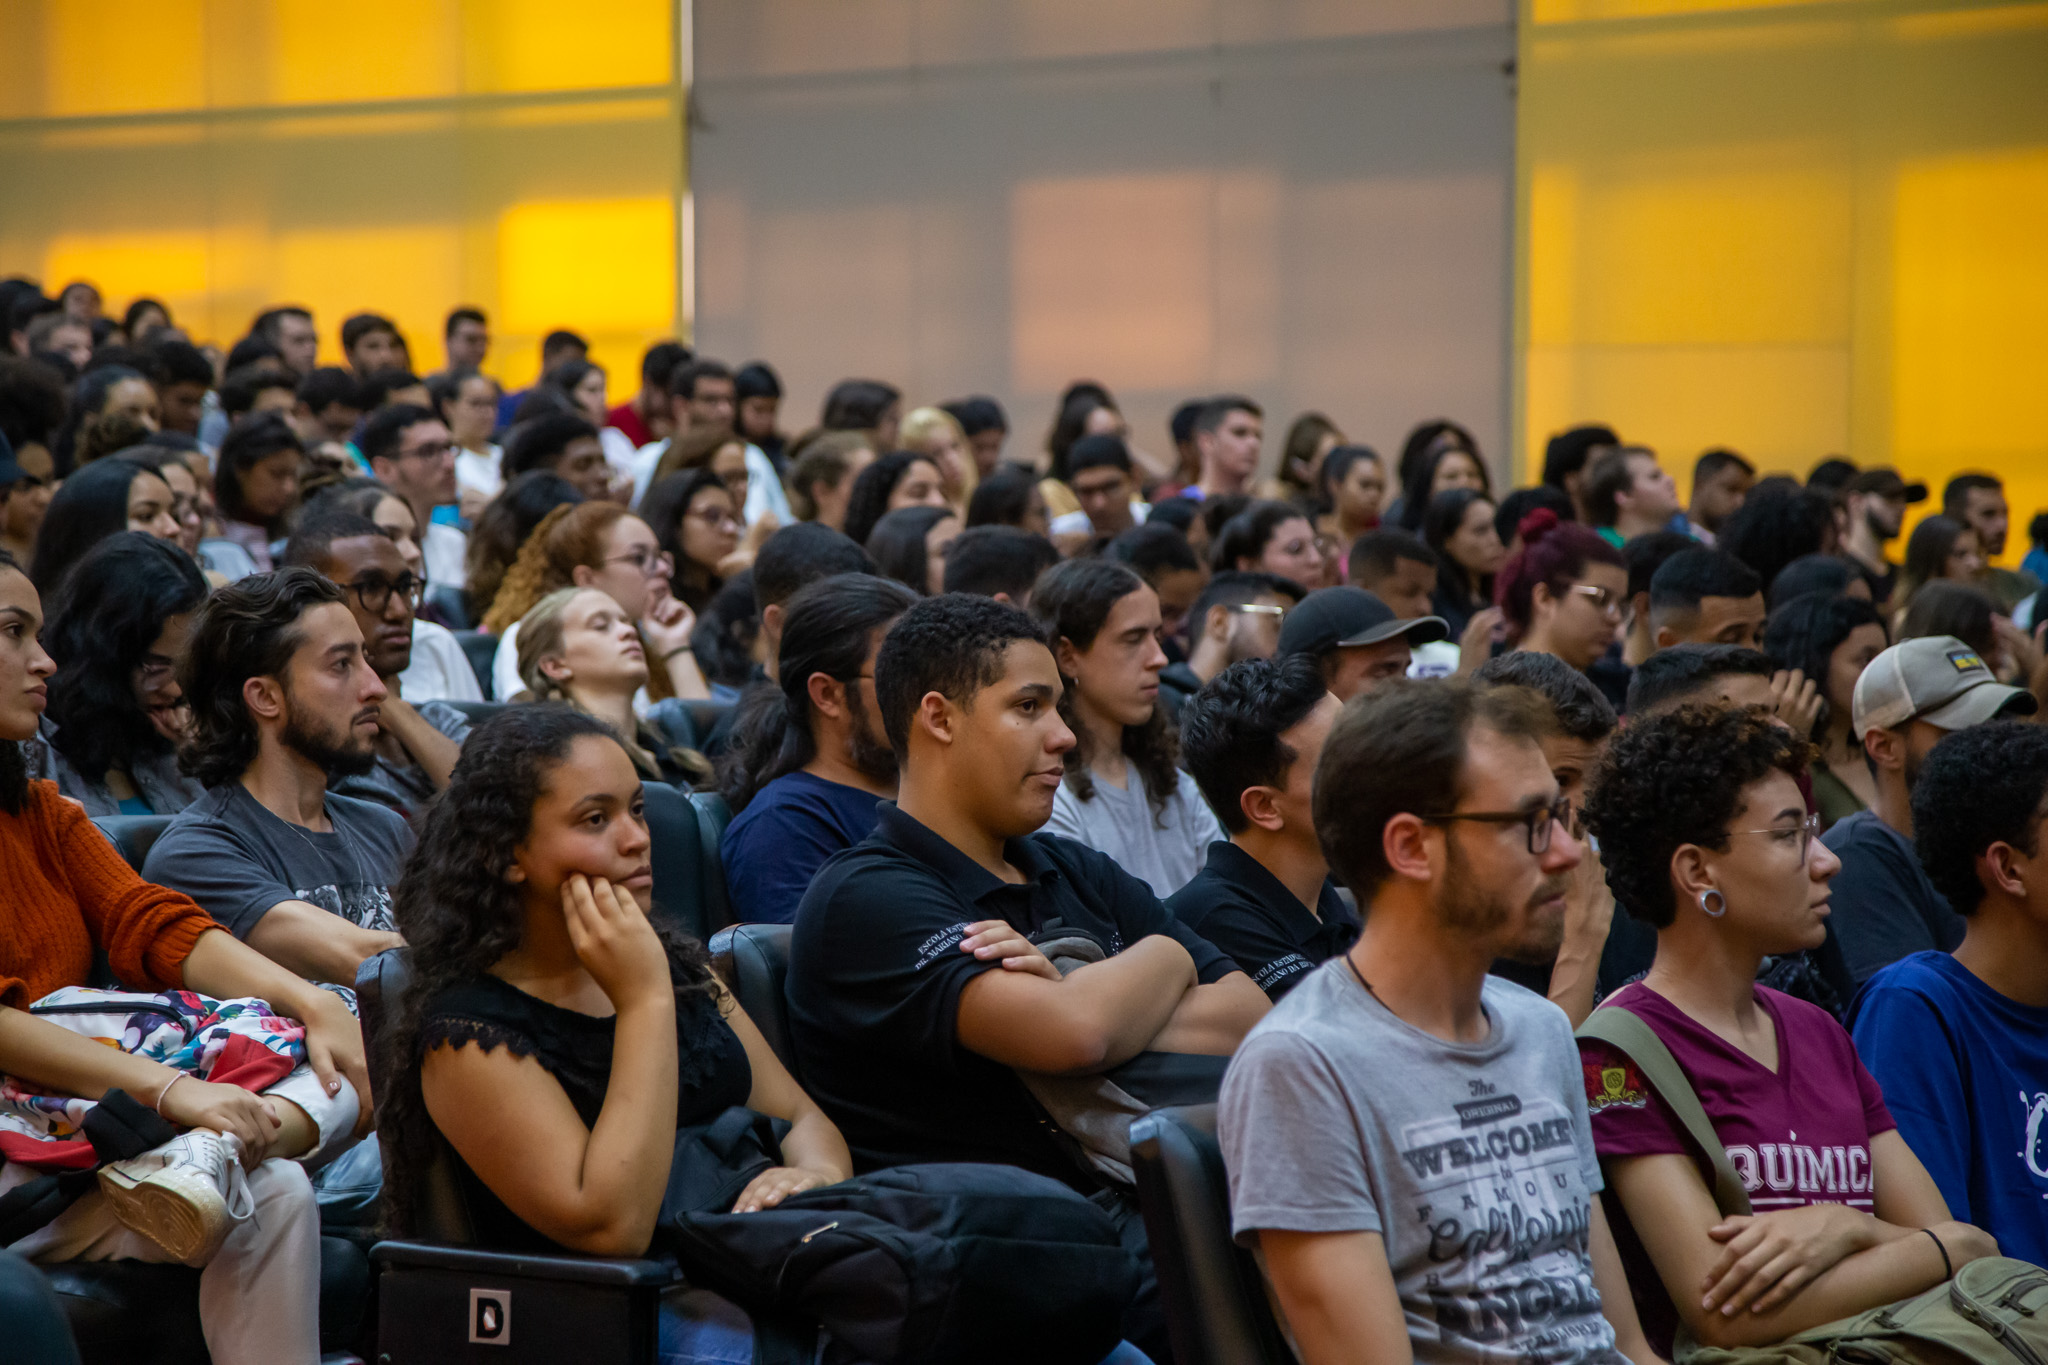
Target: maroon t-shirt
column 1799, row 1135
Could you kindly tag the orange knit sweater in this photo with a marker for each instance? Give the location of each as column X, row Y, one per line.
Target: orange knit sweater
column 64, row 891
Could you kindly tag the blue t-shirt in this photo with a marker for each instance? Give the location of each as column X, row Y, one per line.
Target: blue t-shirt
column 773, row 848
column 1965, row 1074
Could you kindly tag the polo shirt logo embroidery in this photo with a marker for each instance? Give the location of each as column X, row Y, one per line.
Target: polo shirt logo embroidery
column 1965, row 660
column 1609, row 1087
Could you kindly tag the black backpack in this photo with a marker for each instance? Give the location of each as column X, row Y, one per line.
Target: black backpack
column 913, row 1265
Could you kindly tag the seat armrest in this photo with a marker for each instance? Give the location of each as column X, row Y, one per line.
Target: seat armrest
column 622, row 1272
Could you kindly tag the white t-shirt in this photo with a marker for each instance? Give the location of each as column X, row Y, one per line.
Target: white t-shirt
column 482, row 472
column 439, row 670
column 445, row 549
column 618, row 449
column 1163, row 849
column 764, row 486
column 1077, row 523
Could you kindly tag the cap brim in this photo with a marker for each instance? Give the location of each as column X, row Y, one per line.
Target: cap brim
column 1421, row 630
column 1914, row 492
column 1979, row 704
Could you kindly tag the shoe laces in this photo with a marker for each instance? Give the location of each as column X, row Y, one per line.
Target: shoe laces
column 240, row 1201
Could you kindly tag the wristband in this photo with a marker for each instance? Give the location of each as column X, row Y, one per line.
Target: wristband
column 159, row 1105
column 1948, row 1269
column 679, row 649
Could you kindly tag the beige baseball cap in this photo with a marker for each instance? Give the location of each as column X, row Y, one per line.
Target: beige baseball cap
column 1938, row 679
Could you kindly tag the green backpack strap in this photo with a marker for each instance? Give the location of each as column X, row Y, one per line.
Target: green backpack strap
column 1637, row 1041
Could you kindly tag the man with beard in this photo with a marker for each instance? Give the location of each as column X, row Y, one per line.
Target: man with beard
column 416, row 745
column 810, row 761
column 1237, row 617
column 1875, row 503
column 1406, row 1136
column 283, row 698
column 1906, row 701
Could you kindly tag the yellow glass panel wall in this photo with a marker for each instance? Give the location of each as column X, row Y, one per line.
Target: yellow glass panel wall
column 1796, row 229
column 403, row 156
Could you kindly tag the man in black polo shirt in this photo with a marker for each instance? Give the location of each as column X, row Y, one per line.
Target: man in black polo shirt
column 1251, row 739
column 914, row 995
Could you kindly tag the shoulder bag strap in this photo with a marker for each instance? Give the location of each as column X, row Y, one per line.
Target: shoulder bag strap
column 1629, row 1035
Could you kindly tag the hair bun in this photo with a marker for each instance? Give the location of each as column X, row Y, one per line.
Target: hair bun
column 1537, row 525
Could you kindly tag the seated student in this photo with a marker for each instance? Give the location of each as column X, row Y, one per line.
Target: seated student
column 1124, row 793
column 998, row 561
column 795, row 556
column 579, row 646
column 1565, row 593
column 1642, row 557
column 1237, row 617
column 1704, row 596
column 1909, row 698
column 1960, row 1044
column 1735, row 674
column 109, row 738
column 914, row 995
column 1355, row 638
column 1706, row 835
column 822, row 478
column 553, row 1040
column 1580, row 724
column 1831, row 638
column 69, row 894
column 255, row 483
column 564, row 444
column 909, row 545
column 1099, row 471
column 1170, row 567
column 1348, row 1112
column 410, row 451
column 803, row 777
column 283, row 698
column 416, row 746
column 1251, row 739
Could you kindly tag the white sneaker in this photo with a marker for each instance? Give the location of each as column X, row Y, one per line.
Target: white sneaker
column 185, row 1195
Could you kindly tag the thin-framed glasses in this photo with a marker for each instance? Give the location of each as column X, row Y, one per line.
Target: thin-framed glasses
column 431, row 450
column 653, row 563
column 715, row 516
column 1806, row 831
column 1603, row 598
column 375, row 593
column 1538, row 822
column 1258, row 609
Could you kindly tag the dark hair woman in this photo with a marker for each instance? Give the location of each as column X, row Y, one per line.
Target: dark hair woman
column 554, row 1039
column 1940, row 548
column 864, row 405
column 1124, row 793
column 1705, row 835
column 910, row 544
column 1832, row 640
column 256, row 481
column 1352, row 488
column 697, row 520
column 1009, row 497
column 893, row 481
column 1086, row 409
column 100, row 500
column 1419, row 455
column 1778, row 523
column 1564, row 592
column 503, row 527
column 102, row 394
column 1459, row 527
column 1311, row 438
column 116, row 714
column 1443, row 468
column 1275, row 538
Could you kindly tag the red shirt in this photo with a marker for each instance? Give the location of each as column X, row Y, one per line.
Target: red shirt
column 627, row 419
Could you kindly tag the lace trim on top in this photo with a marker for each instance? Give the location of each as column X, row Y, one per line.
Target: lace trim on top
column 455, row 1030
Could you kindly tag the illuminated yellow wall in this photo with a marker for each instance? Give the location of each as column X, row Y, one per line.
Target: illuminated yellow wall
column 405, row 156
column 1797, row 229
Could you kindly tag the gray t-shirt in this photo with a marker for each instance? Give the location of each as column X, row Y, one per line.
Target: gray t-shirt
column 238, row 860
column 1474, row 1162
column 1163, row 848
column 405, row 787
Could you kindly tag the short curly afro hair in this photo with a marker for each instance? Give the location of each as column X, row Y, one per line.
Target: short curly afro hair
column 1980, row 786
column 1675, row 779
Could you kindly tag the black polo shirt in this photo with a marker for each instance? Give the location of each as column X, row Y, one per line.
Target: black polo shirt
column 1236, row 904
column 876, row 972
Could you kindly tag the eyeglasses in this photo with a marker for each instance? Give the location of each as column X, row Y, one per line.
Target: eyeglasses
column 433, row 450
column 653, row 563
column 715, row 516
column 1538, row 822
column 1806, row 830
column 1603, row 598
column 1258, row 609
column 375, row 593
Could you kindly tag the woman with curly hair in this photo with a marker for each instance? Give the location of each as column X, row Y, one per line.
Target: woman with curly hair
column 1124, row 794
column 116, row 714
column 889, row 484
column 1563, row 592
column 553, row 1039
column 1705, row 835
column 597, row 545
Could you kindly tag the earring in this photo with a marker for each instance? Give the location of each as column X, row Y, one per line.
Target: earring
column 1718, row 908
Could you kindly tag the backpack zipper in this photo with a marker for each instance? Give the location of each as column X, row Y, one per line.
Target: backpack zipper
column 109, row 1007
column 1991, row 1323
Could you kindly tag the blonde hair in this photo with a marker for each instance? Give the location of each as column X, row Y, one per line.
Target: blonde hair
column 571, row 535
column 916, row 435
column 541, row 634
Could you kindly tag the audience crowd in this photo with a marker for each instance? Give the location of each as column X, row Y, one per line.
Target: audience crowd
column 1337, row 788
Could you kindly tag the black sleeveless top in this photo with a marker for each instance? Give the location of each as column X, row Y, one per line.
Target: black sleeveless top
column 712, row 1073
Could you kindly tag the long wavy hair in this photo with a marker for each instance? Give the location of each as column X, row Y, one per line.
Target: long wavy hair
column 13, row 766
column 1074, row 599
column 115, row 603
column 90, row 506
column 460, row 916
column 572, row 535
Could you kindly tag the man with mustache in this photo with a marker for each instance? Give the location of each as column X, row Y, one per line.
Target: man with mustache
column 1406, row 1136
column 284, row 697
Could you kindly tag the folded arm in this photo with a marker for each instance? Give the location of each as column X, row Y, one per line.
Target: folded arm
column 1096, row 1017
column 301, row 937
column 1213, row 1019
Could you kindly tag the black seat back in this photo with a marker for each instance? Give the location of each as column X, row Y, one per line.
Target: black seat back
column 133, row 835
column 478, row 712
column 380, row 988
column 1215, row 1298
column 754, row 958
column 713, row 815
column 677, row 856
column 481, row 649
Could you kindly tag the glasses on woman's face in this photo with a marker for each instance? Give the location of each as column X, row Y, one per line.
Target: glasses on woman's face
column 1605, row 600
column 650, row 562
column 1539, row 822
column 718, row 518
column 375, row 591
column 1803, row 834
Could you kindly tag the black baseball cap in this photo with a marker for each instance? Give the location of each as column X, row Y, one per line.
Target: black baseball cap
column 1886, row 483
column 1331, row 618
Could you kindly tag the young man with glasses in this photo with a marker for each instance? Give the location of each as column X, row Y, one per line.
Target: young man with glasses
column 416, row 746
column 1237, row 617
column 1406, row 1136
column 284, row 697
column 411, row 452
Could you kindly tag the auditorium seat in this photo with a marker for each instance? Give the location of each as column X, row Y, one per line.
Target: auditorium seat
column 754, row 961
column 481, row 649
column 133, row 835
column 684, row 881
column 1214, row 1296
column 439, row 1298
column 713, row 815
column 480, row 711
